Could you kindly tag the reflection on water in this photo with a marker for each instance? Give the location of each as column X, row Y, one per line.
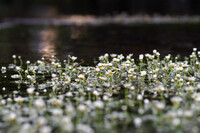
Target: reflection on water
column 47, row 44
column 89, row 42
column 44, row 42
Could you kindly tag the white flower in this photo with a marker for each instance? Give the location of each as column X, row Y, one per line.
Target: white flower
column 41, row 121
column 81, row 108
column 101, row 58
column 25, row 128
column 176, row 100
column 109, row 73
column 127, row 85
column 160, row 89
column 131, row 70
column 113, row 55
column 19, row 99
column 28, row 62
column 39, row 103
column 189, row 88
column 97, row 69
column 29, row 77
column 57, row 112
column 106, row 55
column 82, row 128
column 137, row 122
column 18, row 68
column 143, row 73
column 120, row 56
column 194, row 49
column 53, row 75
column 69, row 94
column 99, row 104
column 159, row 105
column 96, row 93
column 139, row 97
column 30, row 91
column 12, row 116
column 191, row 79
column 3, row 69
column 141, row 56
column 116, row 60
column 81, row 76
column 3, row 102
column 103, row 78
column 176, row 121
column 66, row 120
column 188, row 113
column 14, row 56
column 45, row 129
column 73, row 58
column 154, row 51
column 55, row 102
column 4, row 88
column 39, row 62
column 67, row 79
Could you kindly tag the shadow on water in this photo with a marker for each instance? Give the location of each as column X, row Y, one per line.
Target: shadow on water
column 89, row 42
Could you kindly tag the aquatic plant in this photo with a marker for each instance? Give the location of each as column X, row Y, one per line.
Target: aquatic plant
column 117, row 94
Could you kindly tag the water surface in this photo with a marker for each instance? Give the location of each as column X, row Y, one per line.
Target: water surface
column 88, row 42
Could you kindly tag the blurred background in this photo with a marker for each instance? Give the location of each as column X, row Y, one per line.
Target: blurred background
column 54, row 8
column 90, row 28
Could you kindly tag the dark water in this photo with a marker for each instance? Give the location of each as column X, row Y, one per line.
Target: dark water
column 89, row 42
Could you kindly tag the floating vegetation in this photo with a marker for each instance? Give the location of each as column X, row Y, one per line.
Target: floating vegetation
column 117, row 94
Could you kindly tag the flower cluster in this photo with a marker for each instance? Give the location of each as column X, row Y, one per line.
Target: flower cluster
column 118, row 94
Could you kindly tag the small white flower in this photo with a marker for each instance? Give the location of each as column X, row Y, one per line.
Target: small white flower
column 39, row 103
column 176, row 100
column 81, row 76
column 103, row 78
column 53, row 75
column 41, row 121
column 81, row 108
column 14, row 56
column 69, row 94
column 57, row 112
column 99, row 104
column 18, row 68
column 127, row 85
column 12, row 116
column 67, row 79
column 73, row 58
column 120, row 56
column 189, row 88
column 3, row 69
column 160, row 89
column 191, row 79
column 143, row 73
column 141, row 56
column 139, row 97
column 116, row 60
column 176, row 121
column 188, row 113
column 19, row 99
column 30, row 91
column 113, row 55
column 137, row 122
column 45, row 129
column 160, row 105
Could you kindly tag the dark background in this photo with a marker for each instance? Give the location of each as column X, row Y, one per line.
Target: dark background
column 35, row 40
column 52, row 8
